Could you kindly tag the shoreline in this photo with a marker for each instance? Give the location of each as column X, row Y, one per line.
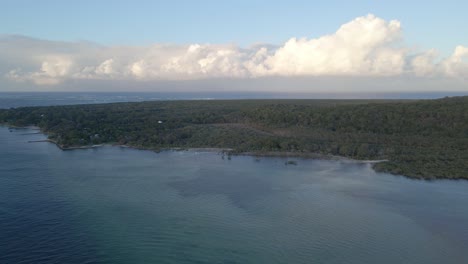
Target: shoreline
column 229, row 152
column 223, row 151
column 307, row 155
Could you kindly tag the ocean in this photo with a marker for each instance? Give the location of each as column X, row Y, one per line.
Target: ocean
column 121, row 205
column 16, row 99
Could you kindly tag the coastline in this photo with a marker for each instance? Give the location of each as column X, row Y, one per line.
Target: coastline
column 307, row 155
column 223, row 151
column 229, row 152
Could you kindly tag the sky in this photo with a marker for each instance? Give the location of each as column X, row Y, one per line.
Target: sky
column 297, row 46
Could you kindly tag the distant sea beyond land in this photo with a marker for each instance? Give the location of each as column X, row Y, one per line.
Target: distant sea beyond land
column 19, row 99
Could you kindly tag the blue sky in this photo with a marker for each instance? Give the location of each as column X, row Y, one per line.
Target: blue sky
column 312, row 45
column 429, row 24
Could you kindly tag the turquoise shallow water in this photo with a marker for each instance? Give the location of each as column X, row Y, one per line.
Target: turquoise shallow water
column 120, row 205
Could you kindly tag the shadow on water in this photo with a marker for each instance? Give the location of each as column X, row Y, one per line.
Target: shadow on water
column 118, row 205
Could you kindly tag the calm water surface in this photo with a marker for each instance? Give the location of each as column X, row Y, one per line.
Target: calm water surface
column 15, row 99
column 119, row 205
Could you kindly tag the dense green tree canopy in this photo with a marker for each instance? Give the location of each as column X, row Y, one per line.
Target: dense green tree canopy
column 421, row 139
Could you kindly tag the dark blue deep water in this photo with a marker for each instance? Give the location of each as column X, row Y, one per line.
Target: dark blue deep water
column 120, row 205
column 15, row 99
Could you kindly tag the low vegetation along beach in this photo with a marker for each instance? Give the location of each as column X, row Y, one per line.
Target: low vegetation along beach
column 424, row 139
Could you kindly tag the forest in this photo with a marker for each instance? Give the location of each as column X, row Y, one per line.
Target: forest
column 423, row 139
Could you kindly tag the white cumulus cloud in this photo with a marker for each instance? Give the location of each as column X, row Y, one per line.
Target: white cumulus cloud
column 457, row 64
column 360, row 47
column 367, row 46
column 53, row 69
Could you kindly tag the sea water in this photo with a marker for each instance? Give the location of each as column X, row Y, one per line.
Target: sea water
column 121, row 205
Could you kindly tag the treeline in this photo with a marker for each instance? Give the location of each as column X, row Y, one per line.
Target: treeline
column 421, row 139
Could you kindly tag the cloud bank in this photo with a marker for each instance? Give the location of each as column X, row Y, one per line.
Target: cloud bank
column 366, row 47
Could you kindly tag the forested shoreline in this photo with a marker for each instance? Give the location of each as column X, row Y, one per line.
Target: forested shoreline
column 420, row 138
